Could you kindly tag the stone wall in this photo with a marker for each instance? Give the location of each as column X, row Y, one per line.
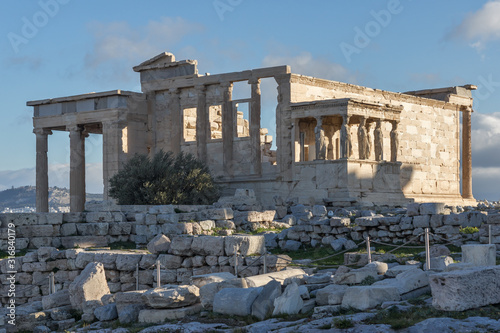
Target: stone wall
column 187, row 256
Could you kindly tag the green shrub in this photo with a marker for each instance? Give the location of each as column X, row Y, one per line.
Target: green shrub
column 343, row 323
column 468, row 230
column 163, row 180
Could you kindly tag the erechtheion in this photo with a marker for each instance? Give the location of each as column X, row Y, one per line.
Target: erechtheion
column 335, row 142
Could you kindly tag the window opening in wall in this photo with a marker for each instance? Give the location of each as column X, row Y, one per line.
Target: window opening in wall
column 189, row 124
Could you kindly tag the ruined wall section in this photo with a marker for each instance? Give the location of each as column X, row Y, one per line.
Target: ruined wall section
column 428, row 132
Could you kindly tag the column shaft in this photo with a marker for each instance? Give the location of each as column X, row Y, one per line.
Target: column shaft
column 176, row 125
column 228, row 122
column 255, row 113
column 42, row 168
column 466, row 156
column 77, row 169
column 201, row 124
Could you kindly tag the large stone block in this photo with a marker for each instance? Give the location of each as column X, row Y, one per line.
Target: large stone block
column 172, row 297
column 244, row 245
column 208, row 246
column 281, row 276
column 124, row 299
column 465, row 289
column 407, row 281
column 90, row 285
column 160, row 243
column 127, row 262
column 289, row 302
column 83, row 241
column 201, row 280
column 432, row 208
column 263, row 306
column 235, row 301
column 170, row 261
column 158, row 316
column 57, row 299
column 331, row 294
column 479, row 254
column 367, row 297
column 181, row 245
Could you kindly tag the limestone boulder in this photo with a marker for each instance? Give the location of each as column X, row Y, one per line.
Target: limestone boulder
column 55, row 300
column 479, row 254
column 395, row 270
column 281, row 276
column 160, row 243
column 407, row 281
column 439, row 264
column 331, row 295
column 235, row 301
column 201, row 280
column 291, row 245
column 367, row 297
column 465, row 289
column 124, row 299
column 171, row 297
column 106, row 312
column 130, row 313
column 90, row 285
column 244, row 245
column 208, row 246
column 263, row 306
column 289, row 302
column 208, row 291
column 375, row 269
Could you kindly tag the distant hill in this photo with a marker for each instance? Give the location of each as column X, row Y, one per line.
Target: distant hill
column 25, row 196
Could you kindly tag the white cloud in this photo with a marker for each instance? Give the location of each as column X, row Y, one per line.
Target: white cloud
column 481, row 26
column 306, row 64
column 118, row 46
column 58, row 176
column 486, row 139
column 486, row 183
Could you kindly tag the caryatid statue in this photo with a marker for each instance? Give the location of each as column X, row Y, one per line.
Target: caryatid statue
column 394, row 141
column 363, row 141
column 345, row 138
column 320, row 140
column 379, row 141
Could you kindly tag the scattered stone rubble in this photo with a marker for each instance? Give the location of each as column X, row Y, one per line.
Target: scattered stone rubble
column 198, row 272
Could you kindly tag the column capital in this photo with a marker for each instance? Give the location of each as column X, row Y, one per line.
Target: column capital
column 226, row 84
column 42, row 131
column 174, row 91
column 253, row 80
column 74, row 128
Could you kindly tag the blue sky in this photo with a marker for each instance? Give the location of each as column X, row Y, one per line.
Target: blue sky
column 53, row 48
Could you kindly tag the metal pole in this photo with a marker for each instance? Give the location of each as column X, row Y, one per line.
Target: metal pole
column 137, row 278
column 427, row 250
column 265, row 264
column 236, row 264
column 50, row 284
column 158, row 274
column 53, row 282
column 368, row 249
column 489, row 234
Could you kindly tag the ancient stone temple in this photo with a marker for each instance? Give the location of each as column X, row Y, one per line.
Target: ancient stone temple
column 335, row 142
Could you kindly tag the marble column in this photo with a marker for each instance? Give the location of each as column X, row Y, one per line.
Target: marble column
column 42, row 169
column 201, row 123
column 228, row 127
column 176, row 125
column 255, row 111
column 394, row 141
column 466, row 156
column 378, row 141
column 77, row 169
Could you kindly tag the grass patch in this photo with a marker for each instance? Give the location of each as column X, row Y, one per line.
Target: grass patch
column 468, row 230
column 398, row 319
column 122, row 246
column 342, row 323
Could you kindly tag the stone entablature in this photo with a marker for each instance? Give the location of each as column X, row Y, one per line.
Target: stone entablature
column 414, row 137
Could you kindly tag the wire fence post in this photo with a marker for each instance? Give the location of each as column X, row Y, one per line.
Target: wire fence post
column 137, row 277
column 427, row 250
column 53, row 282
column 368, row 249
column 236, row 264
column 158, row 274
column 489, row 234
column 51, row 289
column 265, row 264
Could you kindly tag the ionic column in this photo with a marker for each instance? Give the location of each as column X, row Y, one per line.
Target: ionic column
column 201, row 123
column 466, row 156
column 394, row 141
column 77, row 169
column 345, row 138
column 228, row 127
column 320, row 139
column 255, row 110
column 42, row 169
column 176, row 125
column 378, row 141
